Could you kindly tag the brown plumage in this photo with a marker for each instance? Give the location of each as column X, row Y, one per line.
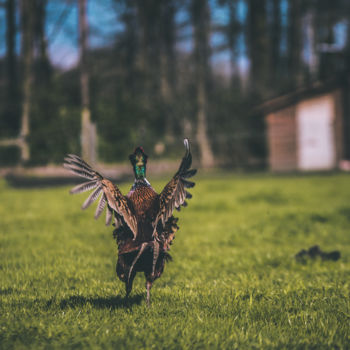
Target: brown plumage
column 144, row 223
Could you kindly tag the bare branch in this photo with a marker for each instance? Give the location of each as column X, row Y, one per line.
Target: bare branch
column 11, row 142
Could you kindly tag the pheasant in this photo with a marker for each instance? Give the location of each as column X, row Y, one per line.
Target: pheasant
column 144, row 223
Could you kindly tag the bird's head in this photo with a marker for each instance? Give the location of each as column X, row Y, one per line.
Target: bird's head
column 138, row 160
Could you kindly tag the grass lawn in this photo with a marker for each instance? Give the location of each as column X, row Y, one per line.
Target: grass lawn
column 234, row 282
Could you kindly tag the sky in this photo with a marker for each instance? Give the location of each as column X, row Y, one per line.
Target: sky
column 61, row 28
column 61, row 31
column 103, row 24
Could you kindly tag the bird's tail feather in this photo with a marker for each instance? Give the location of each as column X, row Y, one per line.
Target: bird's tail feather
column 143, row 246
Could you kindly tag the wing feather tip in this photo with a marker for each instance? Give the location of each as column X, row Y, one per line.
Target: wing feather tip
column 187, row 144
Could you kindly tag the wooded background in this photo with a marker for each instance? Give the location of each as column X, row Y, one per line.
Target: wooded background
column 156, row 72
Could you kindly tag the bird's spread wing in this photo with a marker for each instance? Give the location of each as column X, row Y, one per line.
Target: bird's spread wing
column 174, row 194
column 111, row 194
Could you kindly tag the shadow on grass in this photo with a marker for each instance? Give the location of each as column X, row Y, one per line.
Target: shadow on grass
column 113, row 302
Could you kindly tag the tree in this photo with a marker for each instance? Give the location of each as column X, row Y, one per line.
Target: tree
column 168, row 65
column 294, row 43
column 27, row 45
column 88, row 129
column 276, row 29
column 11, row 110
column 45, row 131
column 258, row 48
column 233, row 30
column 201, row 22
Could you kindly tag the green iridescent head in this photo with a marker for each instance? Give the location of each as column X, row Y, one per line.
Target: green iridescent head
column 139, row 160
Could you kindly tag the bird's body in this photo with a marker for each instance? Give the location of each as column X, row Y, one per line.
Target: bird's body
column 143, row 220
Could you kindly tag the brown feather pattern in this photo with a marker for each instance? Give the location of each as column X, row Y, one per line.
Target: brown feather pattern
column 174, row 193
column 116, row 201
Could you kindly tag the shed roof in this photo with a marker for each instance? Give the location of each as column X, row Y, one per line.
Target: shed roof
column 313, row 89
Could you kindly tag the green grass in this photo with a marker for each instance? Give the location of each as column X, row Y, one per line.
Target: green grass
column 234, row 282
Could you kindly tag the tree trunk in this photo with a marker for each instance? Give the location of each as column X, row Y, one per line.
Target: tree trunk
column 11, row 116
column 207, row 157
column 167, row 66
column 148, row 14
column 27, row 24
column 276, row 29
column 295, row 43
column 88, row 129
column 41, row 43
column 327, row 19
column 232, row 34
column 201, row 21
column 258, row 48
column 11, row 41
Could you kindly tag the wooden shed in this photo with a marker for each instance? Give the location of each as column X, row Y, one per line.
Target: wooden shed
column 305, row 129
